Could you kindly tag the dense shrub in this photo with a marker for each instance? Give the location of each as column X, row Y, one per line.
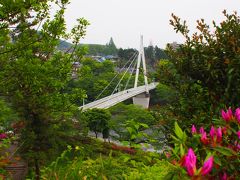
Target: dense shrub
column 213, row 155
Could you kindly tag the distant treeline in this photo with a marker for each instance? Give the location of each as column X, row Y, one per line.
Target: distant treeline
column 152, row 54
column 93, row 49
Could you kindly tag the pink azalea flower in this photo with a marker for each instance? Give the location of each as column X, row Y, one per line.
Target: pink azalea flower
column 219, row 134
column 238, row 134
column 190, row 162
column 212, row 132
column 237, row 114
column 194, row 130
column 201, row 130
column 227, row 116
column 207, row 166
column 238, row 146
column 204, row 139
column 223, row 176
column 3, row 136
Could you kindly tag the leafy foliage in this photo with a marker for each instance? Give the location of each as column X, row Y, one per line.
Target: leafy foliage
column 154, row 54
column 211, row 57
column 7, row 115
column 121, row 114
column 165, row 94
column 34, row 74
column 184, row 95
column 98, row 120
column 72, row 164
column 134, row 130
column 94, row 77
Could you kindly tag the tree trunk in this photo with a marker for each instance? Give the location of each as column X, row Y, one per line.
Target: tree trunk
column 96, row 135
column 37, row 170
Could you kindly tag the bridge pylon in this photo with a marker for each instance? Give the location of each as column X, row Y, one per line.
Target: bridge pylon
column 144, row 98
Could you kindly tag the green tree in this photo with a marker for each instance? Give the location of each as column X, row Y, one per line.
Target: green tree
column 110, row 48
column 98, row 120
column 186, row 98
column 7, row 115
column 204, row 70
column 153, row 55
column 134, row 130
column 94, row 77
column 211, row 57
column 34, row 74
column 160, row 53
column 96, row 49
column 165, row 94
column 150, row 55
column 122, row 113
column 124, row 55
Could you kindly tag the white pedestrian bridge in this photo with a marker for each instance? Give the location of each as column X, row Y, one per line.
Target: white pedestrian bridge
column 113, row 99
column 140, row 94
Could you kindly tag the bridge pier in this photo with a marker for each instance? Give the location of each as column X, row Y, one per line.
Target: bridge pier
column 142, row 100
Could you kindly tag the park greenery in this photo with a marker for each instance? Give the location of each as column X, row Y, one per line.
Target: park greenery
column 193, row 122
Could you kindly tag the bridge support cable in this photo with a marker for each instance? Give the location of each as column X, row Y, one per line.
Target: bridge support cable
column 123, row 75
column 134, row 67
column 130, row 59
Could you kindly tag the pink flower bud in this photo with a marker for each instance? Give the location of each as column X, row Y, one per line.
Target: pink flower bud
column 237, row 114
column 207, row 166
column 201, row 130
column 194, row 130
column 219, row 134
column 227, row 116
column 212, row 132
column 190, row 162
column 204, row 139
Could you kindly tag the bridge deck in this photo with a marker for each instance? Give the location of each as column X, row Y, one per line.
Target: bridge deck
column 113, row 99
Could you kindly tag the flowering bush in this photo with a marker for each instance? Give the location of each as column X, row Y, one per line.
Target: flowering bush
column 124, row 149
column 212, row 154
column 4, row 143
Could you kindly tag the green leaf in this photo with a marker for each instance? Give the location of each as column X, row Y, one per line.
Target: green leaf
column 184, row 137
column 133, row 136
column 182, row 151
column 217, row 160
column 126, row 158
column 178, row 131
column 136, row 126
column 130, row 130
column 125, row 143
column 176, row 139
column 144, row 125
column 225, row 151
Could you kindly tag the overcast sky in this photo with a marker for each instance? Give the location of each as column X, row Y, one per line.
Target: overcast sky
column 125, row 20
